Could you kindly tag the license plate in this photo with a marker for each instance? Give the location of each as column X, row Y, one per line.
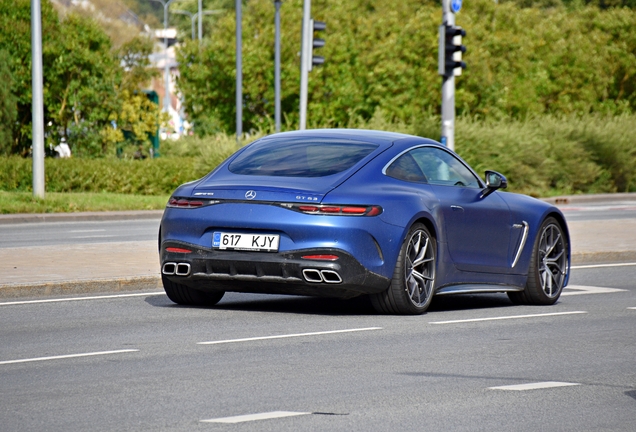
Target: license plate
column 250, row 242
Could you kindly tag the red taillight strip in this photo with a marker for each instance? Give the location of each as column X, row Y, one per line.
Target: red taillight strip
column 343, row 210
column 321, row 257
column 188, row 203
column 178, row 250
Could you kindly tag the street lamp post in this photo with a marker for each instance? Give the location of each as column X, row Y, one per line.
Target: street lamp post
column 166, row 77
column 37, row 99
column 206, row 12
column 277, row 66
column 192, row 18
column 239, row 70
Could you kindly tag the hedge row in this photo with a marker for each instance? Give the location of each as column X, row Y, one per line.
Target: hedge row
column 146, row 177
column 541, row 156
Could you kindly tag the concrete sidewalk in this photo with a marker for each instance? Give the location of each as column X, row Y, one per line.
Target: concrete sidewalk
column 133, row 266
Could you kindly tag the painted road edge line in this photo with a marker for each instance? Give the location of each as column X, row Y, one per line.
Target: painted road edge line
column 287, row 336
column 571, row 290
column 507, row 317
column 634, row 308
column 61, row 357
column 253, row 417
column 602, row 265
column 534, row 386
column 81, row 298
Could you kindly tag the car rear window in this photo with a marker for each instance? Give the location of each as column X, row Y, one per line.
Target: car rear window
column 300, row 158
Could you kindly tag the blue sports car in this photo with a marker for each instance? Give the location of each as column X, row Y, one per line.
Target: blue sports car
column 344, row 213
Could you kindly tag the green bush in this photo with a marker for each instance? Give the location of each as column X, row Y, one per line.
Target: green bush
column 541, row 156
column 145, row 177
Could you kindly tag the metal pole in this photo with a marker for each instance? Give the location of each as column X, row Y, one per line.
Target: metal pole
column 304, row 64
column 166, row 68
column 277, row 66
column 200, row 23
column 192, row 18
column 448, row 90
column 239, row 71
column 37, row 100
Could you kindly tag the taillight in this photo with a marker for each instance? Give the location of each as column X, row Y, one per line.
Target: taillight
column 328, row 209
column 321, row 257
column 178, row 250
column 187, row 203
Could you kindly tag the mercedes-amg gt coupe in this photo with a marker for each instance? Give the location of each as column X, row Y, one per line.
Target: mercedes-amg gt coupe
column 344, row 213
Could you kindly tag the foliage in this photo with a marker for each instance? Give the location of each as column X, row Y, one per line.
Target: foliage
column 522, row 61
column 146, row 177
column 541, row 156
column 87, row 84
column 58, row 202
column 8, row 105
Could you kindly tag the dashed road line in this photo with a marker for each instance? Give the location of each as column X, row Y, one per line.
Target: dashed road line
column 253, row 417
column 507, row 317
column 58, row 300
column 634, row 308
column 580, row 289
column 287, row 336
column 534, row 386
column 91, row 354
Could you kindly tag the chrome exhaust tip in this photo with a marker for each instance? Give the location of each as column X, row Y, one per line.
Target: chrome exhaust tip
column 183, row 269
column 330, row 276
column 312, row 275
column 169, row 268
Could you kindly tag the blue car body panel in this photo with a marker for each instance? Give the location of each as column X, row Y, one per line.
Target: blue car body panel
column 478, row 238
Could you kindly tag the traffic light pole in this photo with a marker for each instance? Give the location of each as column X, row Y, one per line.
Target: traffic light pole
column 305, row 52
column 448, row 90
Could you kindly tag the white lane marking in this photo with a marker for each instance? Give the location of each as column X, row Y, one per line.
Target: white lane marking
column 507, row 317
column 252, row 417
column 580, row 289
column 634, row 308
column 93, row 236
column 81, row 298
column 287, row 336
column 98, row 353
column 86, row 231
column 535, row 386
column 602, row 265
column 600, row 208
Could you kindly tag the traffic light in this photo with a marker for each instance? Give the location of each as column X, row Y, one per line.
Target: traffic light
column 451, row 50
column 315, row 26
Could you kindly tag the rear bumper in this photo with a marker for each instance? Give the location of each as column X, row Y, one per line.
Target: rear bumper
column 277, row 273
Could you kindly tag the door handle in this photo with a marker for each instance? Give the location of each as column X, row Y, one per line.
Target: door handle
column 457, row 208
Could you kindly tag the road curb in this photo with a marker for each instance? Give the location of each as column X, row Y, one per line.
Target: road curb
column 142, row 283
column 80, row 216
column 79, row 287
column 596, row 198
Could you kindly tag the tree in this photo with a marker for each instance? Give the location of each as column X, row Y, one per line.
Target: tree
column 8, row 104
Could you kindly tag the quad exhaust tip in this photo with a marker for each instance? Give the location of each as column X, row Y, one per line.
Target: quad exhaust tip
column 319, row 276
column 178, row 269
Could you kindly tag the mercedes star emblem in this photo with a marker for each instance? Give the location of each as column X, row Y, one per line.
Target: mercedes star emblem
column 250, row 194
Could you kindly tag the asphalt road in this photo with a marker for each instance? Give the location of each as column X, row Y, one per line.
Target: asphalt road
column 64, row 233
column 574, row 363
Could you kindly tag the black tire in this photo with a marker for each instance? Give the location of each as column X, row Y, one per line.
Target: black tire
column 548, row 267
column 413, row 283
column 184, row 295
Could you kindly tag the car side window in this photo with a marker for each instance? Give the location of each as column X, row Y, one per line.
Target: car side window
column 405, row 168
column 442, row 168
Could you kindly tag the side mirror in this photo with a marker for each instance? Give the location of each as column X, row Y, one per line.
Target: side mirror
column 494, row 181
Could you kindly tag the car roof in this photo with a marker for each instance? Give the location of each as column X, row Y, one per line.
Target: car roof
column 370, row 136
